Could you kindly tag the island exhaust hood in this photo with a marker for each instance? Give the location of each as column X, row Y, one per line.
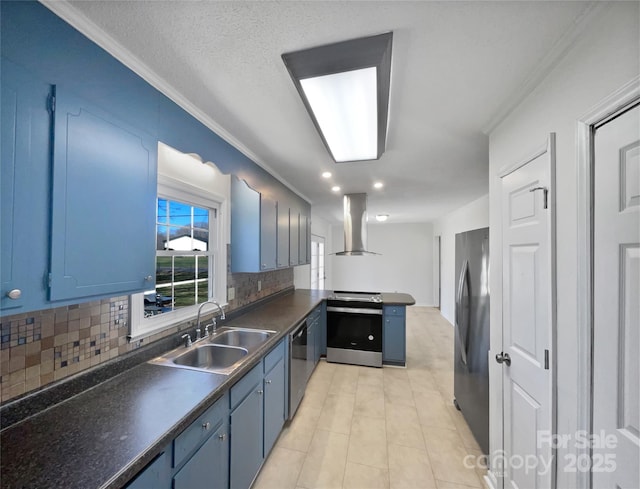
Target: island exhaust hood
column 355, row 226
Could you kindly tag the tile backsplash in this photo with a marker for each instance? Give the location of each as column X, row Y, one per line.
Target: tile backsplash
column 40, row 347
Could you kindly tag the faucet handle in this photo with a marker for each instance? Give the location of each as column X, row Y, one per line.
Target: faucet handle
column 206, row 331
column 197, row 334
column 187, row 336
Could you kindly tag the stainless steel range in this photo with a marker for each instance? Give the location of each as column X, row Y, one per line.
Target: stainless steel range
column 354, row 328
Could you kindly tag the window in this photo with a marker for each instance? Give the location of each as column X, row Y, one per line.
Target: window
column 192, row 229
column 317, row 263
column 184, row 258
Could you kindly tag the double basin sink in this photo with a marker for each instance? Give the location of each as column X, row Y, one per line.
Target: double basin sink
column 221, row 353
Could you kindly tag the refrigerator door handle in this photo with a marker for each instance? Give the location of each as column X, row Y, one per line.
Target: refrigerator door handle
column 461, row 283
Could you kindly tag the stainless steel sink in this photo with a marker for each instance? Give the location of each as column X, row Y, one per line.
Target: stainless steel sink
column 222, row 353
column 245, row 338
column 211, row 357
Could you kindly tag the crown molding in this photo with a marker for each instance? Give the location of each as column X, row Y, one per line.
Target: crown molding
column 91, row 30
column 561, row 47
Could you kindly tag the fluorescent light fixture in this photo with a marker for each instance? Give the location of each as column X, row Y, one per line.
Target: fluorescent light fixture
column 345, row 107
column 335, row 188
column 326, row 174
column 382, row 217
column 345, row 88
column 378, row 185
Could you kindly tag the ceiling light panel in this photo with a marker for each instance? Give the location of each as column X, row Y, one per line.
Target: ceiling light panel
column 345, row 88
column 346, row 108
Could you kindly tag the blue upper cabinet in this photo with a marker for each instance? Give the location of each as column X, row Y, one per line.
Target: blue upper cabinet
column 253, row 229
column 25, row 157
column 103, row 203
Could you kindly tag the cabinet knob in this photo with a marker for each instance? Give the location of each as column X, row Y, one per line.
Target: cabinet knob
column 260, row 391
column 14, row 294
column 206, row 425
column 222, row 436
column 267, row 381
column 148, row 278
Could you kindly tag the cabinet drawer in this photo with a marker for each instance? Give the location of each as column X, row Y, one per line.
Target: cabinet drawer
column 199, row 430
column 274, row 357
column 246, row 385
column 395, row 310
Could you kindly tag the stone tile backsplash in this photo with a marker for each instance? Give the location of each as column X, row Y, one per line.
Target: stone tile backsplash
column 38, row 348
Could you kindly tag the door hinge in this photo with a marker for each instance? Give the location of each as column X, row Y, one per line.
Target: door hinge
column 546, row 359
column 546, row 194
column 51, row 103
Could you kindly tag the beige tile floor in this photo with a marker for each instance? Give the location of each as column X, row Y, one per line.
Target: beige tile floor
column 366, row 428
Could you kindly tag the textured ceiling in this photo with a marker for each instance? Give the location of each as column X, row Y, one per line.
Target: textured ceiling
column 456, row 66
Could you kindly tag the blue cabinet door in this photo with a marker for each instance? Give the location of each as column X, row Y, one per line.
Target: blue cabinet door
column 283, row 235
column 268, row 233
column 294, row 237
column 25, row 156
column 394, row 335
column 274, row 405
column 156, row 475
column 208, row 467
column 103, row 203
column 246, row 439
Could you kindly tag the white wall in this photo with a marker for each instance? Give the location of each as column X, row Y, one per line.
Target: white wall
column 404, row 265
column 474, row 215
column 606, row 57
column 302, row 273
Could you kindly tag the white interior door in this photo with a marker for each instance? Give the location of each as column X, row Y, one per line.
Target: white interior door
column 528, row 317
column 616, row 303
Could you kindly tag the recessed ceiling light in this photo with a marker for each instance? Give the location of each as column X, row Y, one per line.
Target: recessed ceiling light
column 345, row 88
column 326, row 174
column 382, row 217
column 378, row 185
column 335, row 188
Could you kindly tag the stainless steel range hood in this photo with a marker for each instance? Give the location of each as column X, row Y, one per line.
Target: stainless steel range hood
column 355, row 226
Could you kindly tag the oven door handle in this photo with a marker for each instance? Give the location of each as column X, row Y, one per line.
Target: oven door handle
column 355, row 310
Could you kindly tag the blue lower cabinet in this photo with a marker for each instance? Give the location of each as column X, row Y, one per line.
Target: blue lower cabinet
column 156, row 475
column 394, row 338
column 246, row 439
column 207, row 468
column 274, row 405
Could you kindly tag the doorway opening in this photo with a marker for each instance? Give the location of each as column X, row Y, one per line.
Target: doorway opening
column 317, row 262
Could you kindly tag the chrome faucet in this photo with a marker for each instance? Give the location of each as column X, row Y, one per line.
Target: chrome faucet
column 222, row 316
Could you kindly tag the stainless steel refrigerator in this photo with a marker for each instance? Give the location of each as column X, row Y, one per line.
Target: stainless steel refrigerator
column 471, row 338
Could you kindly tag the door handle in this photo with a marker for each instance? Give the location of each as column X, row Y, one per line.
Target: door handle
column 503, row 358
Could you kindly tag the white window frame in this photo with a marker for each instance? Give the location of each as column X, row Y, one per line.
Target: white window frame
column 174, row 189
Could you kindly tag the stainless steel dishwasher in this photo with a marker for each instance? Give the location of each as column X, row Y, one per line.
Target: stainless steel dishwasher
column 297, row 366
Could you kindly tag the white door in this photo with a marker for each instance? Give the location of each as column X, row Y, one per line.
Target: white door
column 317, row 263
column 616, row 303
column 528, row 318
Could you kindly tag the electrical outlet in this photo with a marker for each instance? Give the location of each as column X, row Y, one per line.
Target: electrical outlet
column 231, row 293
column 259, row 285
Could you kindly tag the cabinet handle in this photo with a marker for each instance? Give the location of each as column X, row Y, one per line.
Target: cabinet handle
column 260, row 391
column 267, row 381
column 206, row 425
column 222, row 436
column 14, row 294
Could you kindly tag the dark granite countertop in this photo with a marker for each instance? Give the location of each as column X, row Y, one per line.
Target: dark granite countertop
column 397, row 299
column 105, row 435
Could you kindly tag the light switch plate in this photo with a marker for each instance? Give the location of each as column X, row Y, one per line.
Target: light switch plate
column 231, row 293
column 259, row 285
